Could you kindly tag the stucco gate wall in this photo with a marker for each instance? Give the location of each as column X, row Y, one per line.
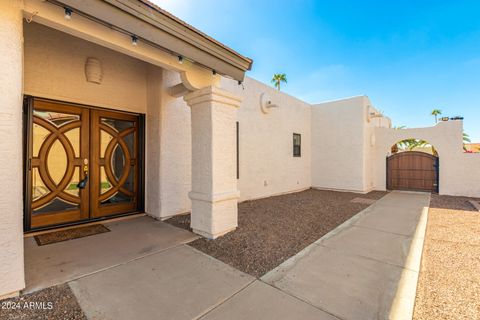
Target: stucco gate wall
column 459, row 172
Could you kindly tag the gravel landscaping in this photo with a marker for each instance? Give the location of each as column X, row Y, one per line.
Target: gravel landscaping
column 47, row 304
column 449, row 282
column 273, row 229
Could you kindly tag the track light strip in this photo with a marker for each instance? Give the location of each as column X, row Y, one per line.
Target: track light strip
column 135, row 38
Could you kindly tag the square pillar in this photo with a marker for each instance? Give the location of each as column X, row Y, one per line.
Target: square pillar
column 214, row 192
column 11, row 142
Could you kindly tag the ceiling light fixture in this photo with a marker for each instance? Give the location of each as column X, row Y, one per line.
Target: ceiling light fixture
column 68, row 13
column 134, row 40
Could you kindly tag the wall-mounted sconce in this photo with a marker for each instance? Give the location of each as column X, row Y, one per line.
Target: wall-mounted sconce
column 266, row 103
column 93, row 70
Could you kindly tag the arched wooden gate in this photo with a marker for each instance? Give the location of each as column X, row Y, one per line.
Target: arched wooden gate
column 412, row 170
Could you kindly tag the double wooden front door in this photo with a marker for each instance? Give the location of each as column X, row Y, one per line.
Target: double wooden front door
column 83, row 164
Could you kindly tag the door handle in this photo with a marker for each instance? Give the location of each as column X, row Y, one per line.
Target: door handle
column 82, row 184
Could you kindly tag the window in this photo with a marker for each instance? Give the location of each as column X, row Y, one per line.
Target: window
column 297, row 145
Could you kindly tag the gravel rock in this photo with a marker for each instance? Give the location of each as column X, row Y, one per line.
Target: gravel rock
column 54, row 303
column 271, row 230
column 449, row 282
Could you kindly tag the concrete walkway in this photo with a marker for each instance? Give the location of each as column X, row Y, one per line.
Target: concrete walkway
column 351, row 273
column 354, row 271
column 128, row 240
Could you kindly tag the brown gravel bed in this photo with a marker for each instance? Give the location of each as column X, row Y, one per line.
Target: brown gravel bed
column 54, row 303
column 449, row 282
column 273, row 229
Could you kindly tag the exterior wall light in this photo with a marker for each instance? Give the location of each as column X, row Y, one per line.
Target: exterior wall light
column 180, row 59
column 68, row 13
column 266, row 103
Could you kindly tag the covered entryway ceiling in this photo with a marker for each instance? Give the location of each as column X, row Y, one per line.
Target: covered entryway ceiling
column 155, row 26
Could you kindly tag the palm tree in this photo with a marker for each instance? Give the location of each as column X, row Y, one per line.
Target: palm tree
column 278, row 78
column 436, row 113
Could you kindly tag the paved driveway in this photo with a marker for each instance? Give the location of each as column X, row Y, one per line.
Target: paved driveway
column 354, row 271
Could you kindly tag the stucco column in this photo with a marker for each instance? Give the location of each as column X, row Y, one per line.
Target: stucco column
column 11, row 84
column 214, row 192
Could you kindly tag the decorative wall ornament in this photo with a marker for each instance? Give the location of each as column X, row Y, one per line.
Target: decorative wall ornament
column 93, row 70
column 266, row 103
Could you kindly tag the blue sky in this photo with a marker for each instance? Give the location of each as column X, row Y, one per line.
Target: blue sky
column 409, row 57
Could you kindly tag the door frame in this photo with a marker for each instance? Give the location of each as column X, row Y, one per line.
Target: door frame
column 27, row 148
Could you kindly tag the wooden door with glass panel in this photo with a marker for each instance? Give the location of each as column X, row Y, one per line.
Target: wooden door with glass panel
column 58, row 163
column 83, row 164
column 115, row 163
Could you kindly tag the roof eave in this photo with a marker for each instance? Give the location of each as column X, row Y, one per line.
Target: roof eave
column 157, row 26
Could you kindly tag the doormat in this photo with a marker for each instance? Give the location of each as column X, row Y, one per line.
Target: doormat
column 363, row 201
column 70, row 234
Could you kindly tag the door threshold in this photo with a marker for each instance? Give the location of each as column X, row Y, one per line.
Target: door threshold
column 127, row 217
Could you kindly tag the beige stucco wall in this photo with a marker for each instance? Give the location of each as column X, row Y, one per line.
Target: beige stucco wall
column 11, row 205
column 267, row 165
column 55, row 68
column 153, row 148
column 342, row 144
column 337, row 144
column 176, row 151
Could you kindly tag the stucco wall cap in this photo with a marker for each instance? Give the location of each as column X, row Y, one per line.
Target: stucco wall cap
column 212, row 94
